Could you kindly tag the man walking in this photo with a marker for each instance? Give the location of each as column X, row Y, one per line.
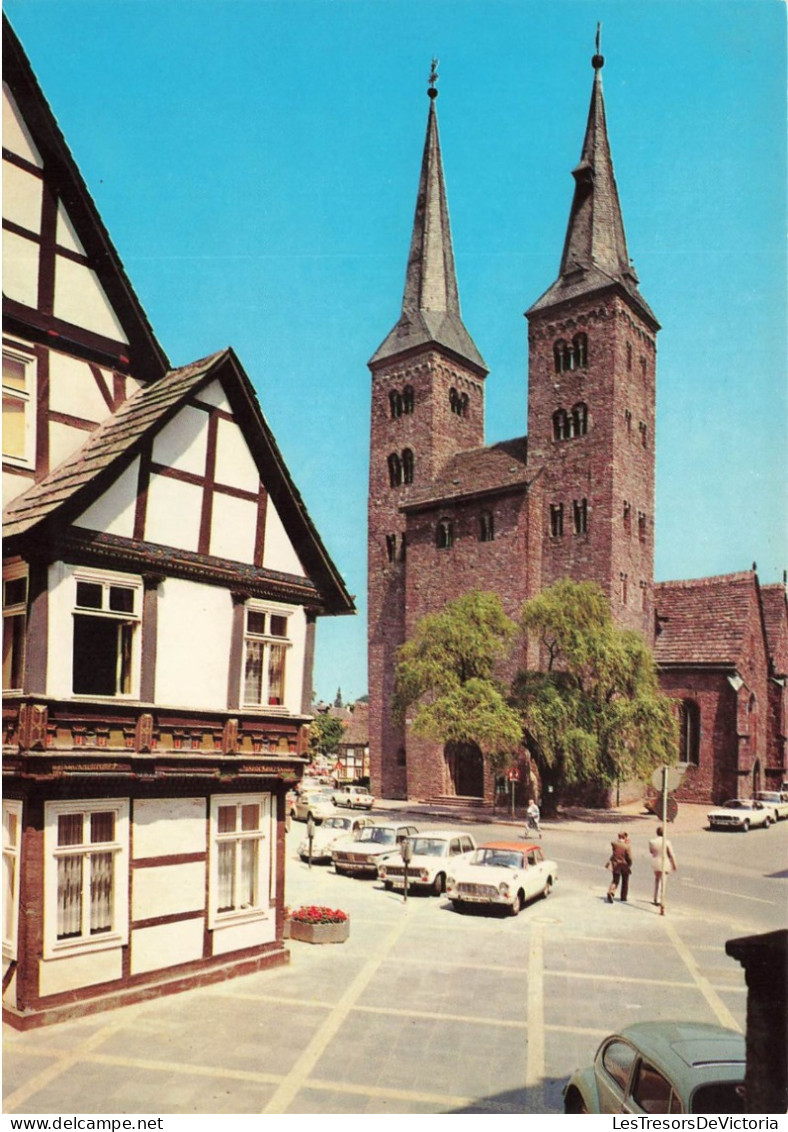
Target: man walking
column 621, row 863
column 661, row 865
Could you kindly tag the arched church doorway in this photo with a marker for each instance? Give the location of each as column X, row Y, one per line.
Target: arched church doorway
column 466, row 769
column 756, row 778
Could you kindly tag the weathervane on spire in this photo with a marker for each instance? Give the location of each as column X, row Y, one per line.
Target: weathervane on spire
column 598, row 61
column 432, row 90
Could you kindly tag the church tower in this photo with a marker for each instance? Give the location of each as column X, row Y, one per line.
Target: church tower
column 427, row 405
column 591, row 396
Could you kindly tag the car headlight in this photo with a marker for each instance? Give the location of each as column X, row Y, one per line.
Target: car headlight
column 450, row 882
column 503, row 890
column 424, row 876
column 382, row 872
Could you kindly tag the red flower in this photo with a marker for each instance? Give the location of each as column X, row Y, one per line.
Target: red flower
column 316, row 914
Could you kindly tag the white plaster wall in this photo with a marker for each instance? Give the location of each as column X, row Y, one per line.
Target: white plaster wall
column 167, row 889
column 235, row 466
column 165, row 826
column 183, row 442
column 279, row 553
column 80, row 299
column 233, row 528
column 295, row 661
column 166, row 945
column 14, row 485
column 58, row 975
column 113, row 512
column 194, row 627
column 73, row 388
column 239, row 936
column 173, row 513
column 213, row 394
column 65, row 233
column 16, row 137
column 63, row 441
column 20, row 269
column 22, row 197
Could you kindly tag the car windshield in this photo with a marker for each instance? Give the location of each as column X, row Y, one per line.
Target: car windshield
column 769, row 796
column 378, row 835
column 737, row 804
column 719, row 1096
column 429, row 847
column 336, row 823
column 503, row 858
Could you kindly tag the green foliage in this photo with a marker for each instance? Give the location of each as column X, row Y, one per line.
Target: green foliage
column 596, row 715
column 445, row 677
column 325, row 735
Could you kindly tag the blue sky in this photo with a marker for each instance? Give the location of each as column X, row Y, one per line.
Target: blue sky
column 256, row 163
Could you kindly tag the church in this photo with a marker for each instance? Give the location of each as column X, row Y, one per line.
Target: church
column 574, row 498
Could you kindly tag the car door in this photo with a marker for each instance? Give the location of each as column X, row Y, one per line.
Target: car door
column 535, row 875
column 613, row 1070
column 650, row 1091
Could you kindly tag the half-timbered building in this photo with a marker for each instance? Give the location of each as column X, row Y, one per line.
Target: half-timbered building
column 161, row 584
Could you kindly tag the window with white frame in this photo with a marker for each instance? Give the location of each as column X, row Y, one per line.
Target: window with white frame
column 106, row 634
column 86, row 875
column 18, row 407
column 14, row 626
column 240, row 857
column 266, row 644
column 12, row 842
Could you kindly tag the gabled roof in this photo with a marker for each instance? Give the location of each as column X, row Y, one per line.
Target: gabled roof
column 775, row 617
column 55, row 501
column 704, row 621
column 476, row 472
column 431, row 304
column 147, row 359
column 357, row 727
column 595, row 255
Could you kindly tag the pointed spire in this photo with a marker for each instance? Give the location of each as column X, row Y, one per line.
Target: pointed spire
column 431, row 303
column 595, row 249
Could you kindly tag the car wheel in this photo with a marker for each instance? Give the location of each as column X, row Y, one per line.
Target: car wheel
column 516, row 904
column 388, row 885
column 439, row 885
column 745, row 827
column 340, row 871
column 574, row 1103
column 767, row 823
column 548, row 887
column 458, row 905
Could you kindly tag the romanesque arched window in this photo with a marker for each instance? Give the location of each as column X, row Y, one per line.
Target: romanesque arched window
column 454, row 400
column 561, row 355
column 486, row 527
column 391, row 547
column 580, row 350
column 556, row 519
column 580, row 516
column 689, row 732
column 395, row 404
column 580, row 419
column 407, row 465
column 560, row 424
column 444, row 534
column 464, row 403
column 407, row 399
column 395, row 470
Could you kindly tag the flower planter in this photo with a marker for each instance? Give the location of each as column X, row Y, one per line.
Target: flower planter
column 319, row 933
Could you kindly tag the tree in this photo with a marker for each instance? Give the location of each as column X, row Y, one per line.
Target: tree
column 595, row 715
column 325, row 735
column 446, row 675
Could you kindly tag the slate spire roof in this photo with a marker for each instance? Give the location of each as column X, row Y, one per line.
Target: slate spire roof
column 595, row 254
column 431, row 304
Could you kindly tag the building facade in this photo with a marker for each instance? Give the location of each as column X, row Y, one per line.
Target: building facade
column 574, row 498
column 161, row 585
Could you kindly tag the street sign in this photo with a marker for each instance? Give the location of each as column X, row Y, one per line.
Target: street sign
column 671, row 808
column 513, row 774
column 675, row 775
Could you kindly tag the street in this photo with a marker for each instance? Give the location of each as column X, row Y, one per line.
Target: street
column 425, row 1010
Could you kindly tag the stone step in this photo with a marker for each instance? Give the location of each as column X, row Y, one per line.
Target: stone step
column 458, row 801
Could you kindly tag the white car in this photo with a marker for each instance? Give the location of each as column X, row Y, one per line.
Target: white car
column 774, row 800
column 337, row 827
column 741, row 813
column 361, row 855
column 434, row 853
column 504, row 873
column 356, row 797
column 315, row 804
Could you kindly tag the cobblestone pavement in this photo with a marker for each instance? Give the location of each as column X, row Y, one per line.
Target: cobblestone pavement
column 422, row 1010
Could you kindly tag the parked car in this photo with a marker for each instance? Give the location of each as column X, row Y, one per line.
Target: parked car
column 775, row 801
column 502, row 873
column 357, row 797
column 316, row 804
column 740, row 813
column 433, row 854
column 657, row 1067
column 337, row 827
column 362, row 854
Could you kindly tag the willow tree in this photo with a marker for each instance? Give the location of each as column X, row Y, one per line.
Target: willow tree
column 594, row 715
column 446, row 678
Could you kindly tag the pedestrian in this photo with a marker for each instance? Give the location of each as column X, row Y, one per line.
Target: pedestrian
column 532, row 818
column 655, row 849
column 620, row 861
